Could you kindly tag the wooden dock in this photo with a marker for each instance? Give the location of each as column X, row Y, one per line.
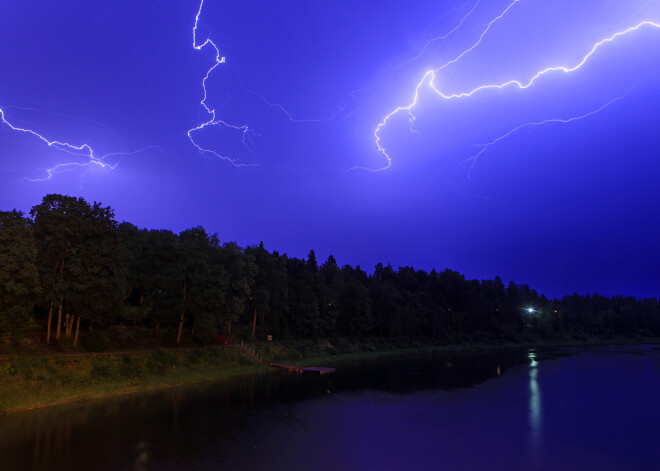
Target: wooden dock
column 298, row 370
column 316, row 370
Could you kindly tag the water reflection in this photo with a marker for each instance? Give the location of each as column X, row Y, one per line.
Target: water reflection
column 400, row 413
column 156, row 428
column 534, row 401
column 142, row 460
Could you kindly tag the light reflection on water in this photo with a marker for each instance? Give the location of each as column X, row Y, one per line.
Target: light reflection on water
column 504, row 410
column 534, row 405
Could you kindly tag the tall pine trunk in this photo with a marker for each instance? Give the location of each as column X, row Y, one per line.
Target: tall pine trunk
column 50, row 317
column 59, row 322
column 68, row 322
column 52, row 301
column 75, row 339
column 59, row 311
column 254, row 322
column 183, row 310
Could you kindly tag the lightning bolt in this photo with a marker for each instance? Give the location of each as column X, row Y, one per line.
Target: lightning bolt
column 64, row 115
column 60, row 168
column 290, row 116
column 247, row 134
column 485, row 147
column 83, row 150
column 293, row 119
column 541, row 73
column 446, row 35
column 87, row 152
column 428, row 79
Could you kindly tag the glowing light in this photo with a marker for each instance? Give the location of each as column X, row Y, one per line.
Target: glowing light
column 530, row 310
column 532, row 359
column 429, row 79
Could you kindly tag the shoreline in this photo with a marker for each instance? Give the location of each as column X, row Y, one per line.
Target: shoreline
column 222, row 375
column 470, row 348
column 217, row 373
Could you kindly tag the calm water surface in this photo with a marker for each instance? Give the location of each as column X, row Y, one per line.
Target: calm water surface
column 567, row 409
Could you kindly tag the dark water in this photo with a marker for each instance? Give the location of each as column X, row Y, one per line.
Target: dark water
column 593, row 409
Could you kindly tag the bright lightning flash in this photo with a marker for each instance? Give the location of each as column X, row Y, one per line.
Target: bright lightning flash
column 429, row 78
column 247, row 133
column 83, row 150
column 87, row 153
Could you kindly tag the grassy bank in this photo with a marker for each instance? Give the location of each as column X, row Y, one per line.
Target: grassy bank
column 31, row 382
column 325, row 352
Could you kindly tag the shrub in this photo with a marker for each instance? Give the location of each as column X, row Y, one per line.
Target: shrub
column 66, row 375
column 132, row 367
column 8, row 369
column 160, row 362
column 103, row 368
column 294, row 355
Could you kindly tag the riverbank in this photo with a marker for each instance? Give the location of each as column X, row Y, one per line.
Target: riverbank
column 323, row 354
column 31, row 382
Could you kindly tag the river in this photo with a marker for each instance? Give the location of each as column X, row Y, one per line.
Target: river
column 562, row 409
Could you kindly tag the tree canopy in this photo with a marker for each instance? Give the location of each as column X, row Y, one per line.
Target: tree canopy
column 71, row 262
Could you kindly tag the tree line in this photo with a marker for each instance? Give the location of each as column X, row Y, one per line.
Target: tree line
column 69, row 262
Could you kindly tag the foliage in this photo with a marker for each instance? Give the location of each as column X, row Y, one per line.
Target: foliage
column 73, row 258
column 19, row 279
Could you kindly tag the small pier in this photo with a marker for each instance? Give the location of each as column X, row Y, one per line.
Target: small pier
column 298, row 370
column 315, row 370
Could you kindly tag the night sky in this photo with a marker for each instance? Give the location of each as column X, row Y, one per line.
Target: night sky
column 551, row 181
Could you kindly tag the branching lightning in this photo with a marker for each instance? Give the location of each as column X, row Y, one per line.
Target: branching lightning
column 428, row 79
column 87, row 153
column 246, row 132
column 60, row 168
column 86, row 156
column 485, row 147
column 84, row 150
column 291, row 117
column 541, row 73
column 446, row 35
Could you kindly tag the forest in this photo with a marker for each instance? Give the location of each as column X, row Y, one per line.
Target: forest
column 70, row 265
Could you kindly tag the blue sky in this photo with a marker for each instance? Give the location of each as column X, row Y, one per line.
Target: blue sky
column 552, row 184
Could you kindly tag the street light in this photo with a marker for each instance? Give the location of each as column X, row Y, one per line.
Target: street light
column 530, row 310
